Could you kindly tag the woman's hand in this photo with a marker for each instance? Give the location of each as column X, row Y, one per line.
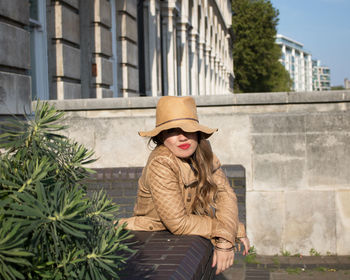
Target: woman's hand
column 223, row 259
column 246, row 245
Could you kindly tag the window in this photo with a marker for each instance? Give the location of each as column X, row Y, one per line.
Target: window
column 38, row 50
column 150, row 49
column 114, row 86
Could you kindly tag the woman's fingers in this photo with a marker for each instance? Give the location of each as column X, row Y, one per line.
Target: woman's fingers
column 246, row 244
column 223, row 260
column 214, row 259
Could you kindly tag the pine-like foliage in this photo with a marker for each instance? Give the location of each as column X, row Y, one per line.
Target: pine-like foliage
column 49, row 227
column 255, row 53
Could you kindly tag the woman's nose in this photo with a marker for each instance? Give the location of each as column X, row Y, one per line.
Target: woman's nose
column 183, row 136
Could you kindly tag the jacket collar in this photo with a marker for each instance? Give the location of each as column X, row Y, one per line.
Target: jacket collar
column 188, row 175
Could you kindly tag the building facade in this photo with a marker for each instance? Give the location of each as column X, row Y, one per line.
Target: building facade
column 75, row 49
column 346, row 83
column 297, row 62
column 321, row 76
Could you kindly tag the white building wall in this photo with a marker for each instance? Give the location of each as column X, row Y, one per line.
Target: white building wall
column 297, row 62
column 321, row 76
column 121, row 48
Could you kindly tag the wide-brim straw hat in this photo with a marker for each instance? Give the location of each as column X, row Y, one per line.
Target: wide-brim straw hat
column 177, row 112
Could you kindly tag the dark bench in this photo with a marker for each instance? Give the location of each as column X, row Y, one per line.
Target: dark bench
column 162, row 255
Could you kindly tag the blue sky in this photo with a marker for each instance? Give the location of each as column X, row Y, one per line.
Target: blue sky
column 323, row 27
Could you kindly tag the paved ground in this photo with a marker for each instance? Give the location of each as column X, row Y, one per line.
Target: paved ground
column 289, row 268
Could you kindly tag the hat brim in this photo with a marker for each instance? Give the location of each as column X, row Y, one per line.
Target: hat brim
column 187, row 126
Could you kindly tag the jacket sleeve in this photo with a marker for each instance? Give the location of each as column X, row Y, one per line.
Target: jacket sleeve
column 226, row 211
column 163, row 180
column 241, row 231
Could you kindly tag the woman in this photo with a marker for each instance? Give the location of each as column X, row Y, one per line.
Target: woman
column 182, row 188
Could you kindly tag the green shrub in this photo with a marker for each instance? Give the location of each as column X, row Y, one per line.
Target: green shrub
column 313, row 252
column 251, row 257
column 49, row 227
column 285, row 253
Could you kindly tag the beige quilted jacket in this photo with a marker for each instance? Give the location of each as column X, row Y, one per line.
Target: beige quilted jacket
column 165, row 196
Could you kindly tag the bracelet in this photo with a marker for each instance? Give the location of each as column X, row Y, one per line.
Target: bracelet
column 238, row 239
column 220, row 240
column 224, row 249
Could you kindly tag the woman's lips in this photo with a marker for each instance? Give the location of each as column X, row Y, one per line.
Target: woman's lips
column 184, row 146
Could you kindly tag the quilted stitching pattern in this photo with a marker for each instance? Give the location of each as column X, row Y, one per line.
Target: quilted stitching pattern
column 163, row 200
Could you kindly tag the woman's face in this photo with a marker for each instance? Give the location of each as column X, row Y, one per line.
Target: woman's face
column 182, row 144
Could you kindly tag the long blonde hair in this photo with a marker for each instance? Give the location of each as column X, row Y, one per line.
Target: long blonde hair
column 202, row 161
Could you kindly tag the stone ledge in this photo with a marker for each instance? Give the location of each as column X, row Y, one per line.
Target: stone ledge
column 247, row 99
column 310, row 262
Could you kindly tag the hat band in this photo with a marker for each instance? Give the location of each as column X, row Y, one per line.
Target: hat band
column 177, row 120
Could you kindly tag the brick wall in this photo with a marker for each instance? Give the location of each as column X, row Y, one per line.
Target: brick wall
column 236, row 177
column 121, row 186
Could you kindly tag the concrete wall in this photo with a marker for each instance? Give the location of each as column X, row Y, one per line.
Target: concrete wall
column 15, row 94
column 294, row 147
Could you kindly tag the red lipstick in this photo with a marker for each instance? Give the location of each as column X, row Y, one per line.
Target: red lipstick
column 184, row 146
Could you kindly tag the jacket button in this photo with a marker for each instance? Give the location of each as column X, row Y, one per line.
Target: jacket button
column 151, row 228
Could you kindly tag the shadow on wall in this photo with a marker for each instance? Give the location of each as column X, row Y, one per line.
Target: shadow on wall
column 121, row 185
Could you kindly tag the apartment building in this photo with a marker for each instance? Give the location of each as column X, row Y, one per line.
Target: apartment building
column 297, row 61
column 321, row 76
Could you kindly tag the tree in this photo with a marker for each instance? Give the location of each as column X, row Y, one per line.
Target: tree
column 337, row 87
column 255, row 53
column 49, row 227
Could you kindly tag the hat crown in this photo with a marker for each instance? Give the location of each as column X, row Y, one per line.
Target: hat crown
column 170, row 108
column 177, row 112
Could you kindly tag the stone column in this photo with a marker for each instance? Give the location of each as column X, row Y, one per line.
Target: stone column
column 193, row 41
column 102, row 53
column 216, row 72
column 65, row 51
column 150, row 47
column 212, row 73
column 169, row 48
column 194, row 62
column 182, row 57
column 201, row 68
column 230, row 66
column 127, row 40
column 201, row 50
column 221, row 82
column 225, row 85
column 208, row 90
